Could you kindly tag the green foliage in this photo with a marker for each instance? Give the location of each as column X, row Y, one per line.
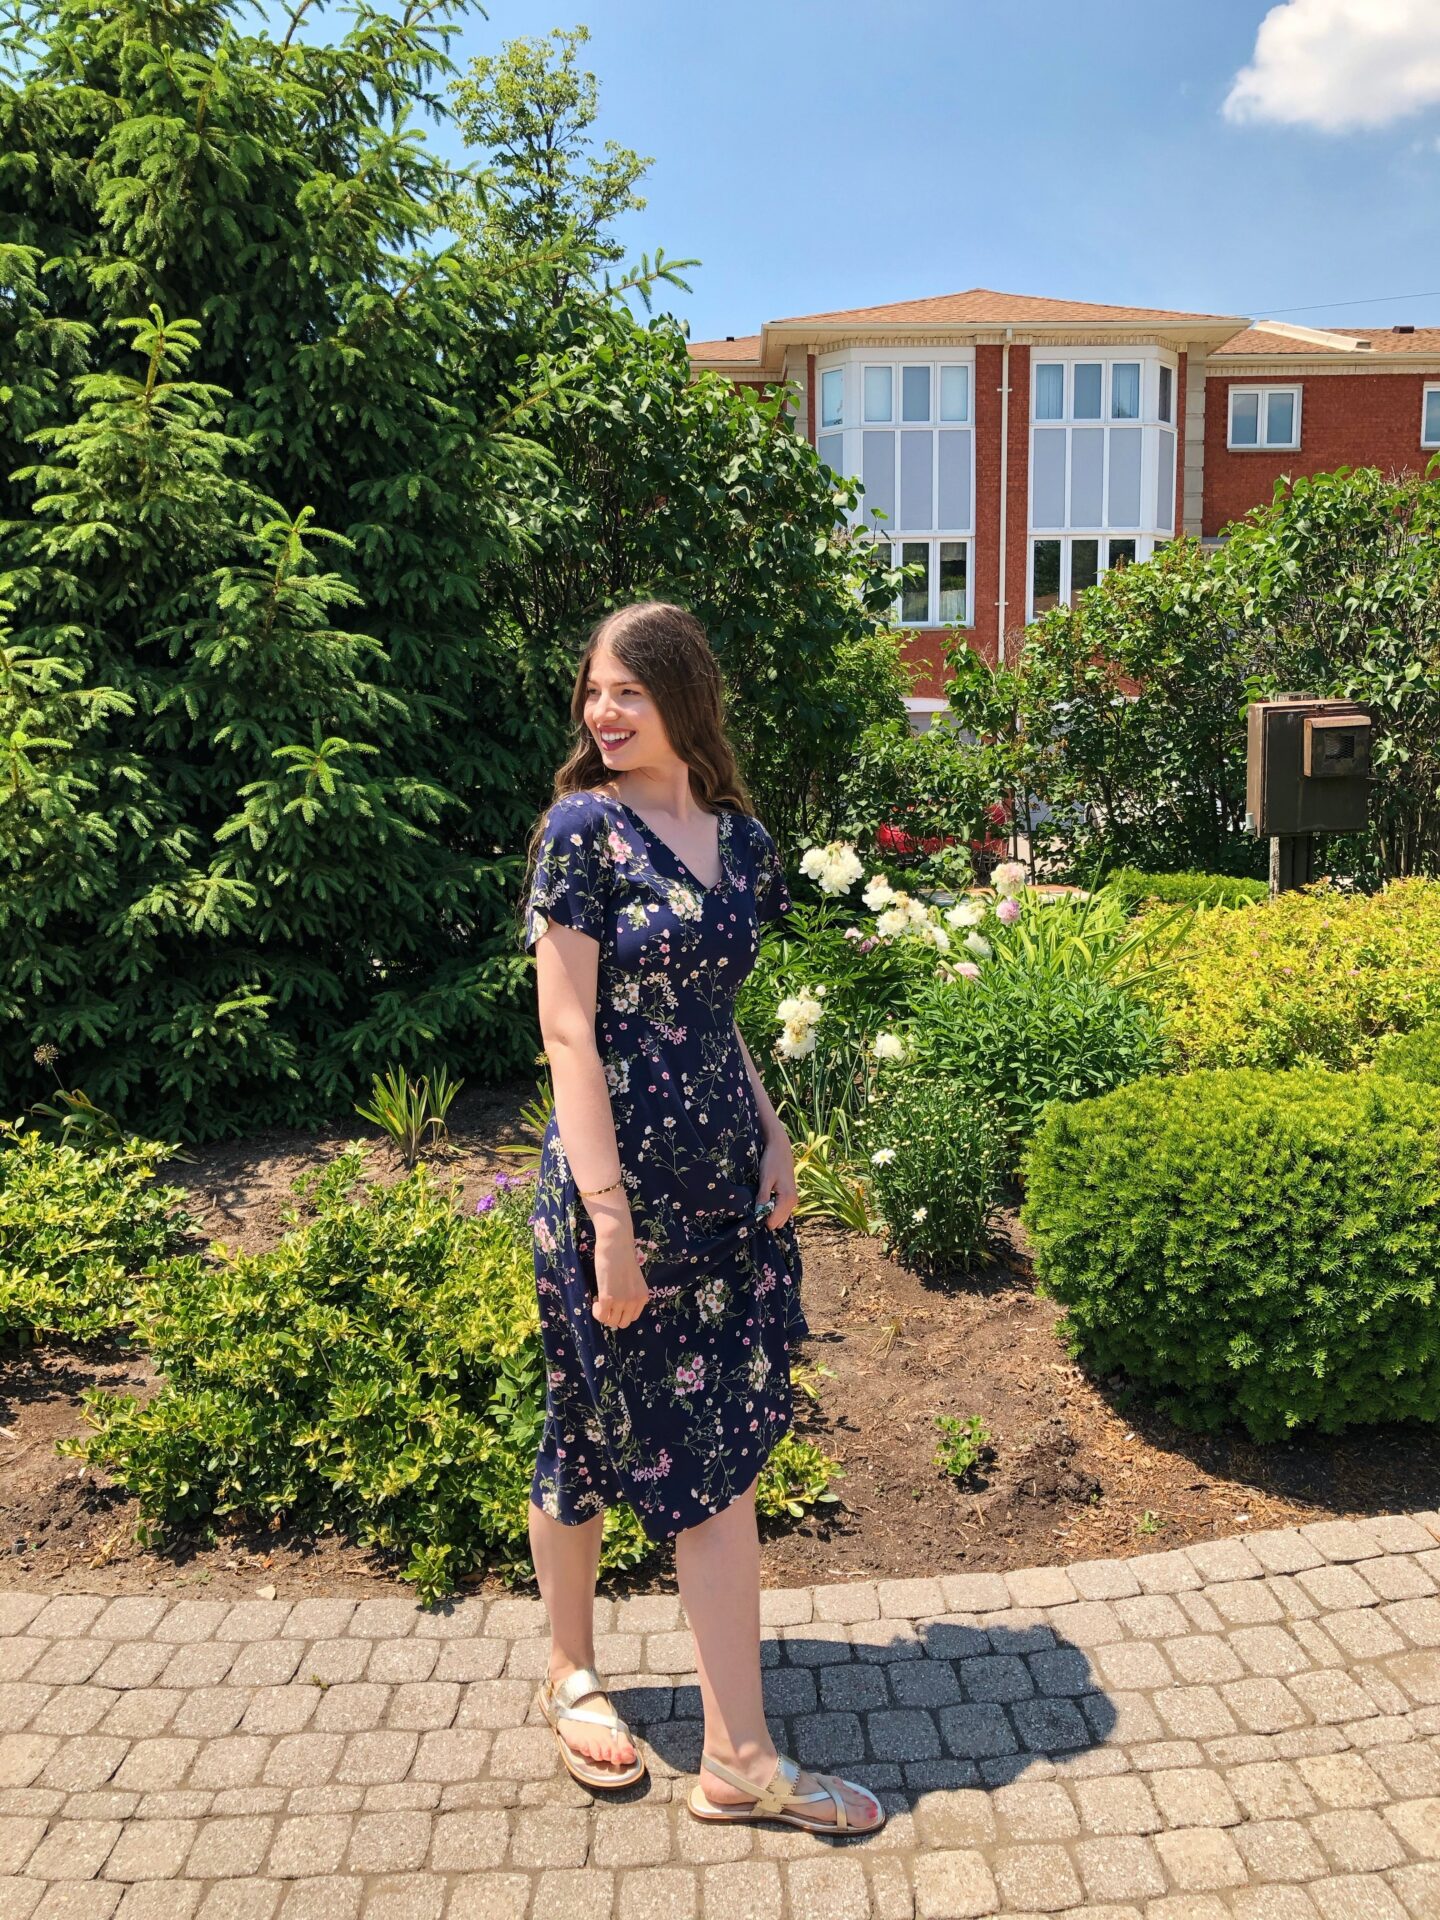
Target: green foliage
column 1412, row 1056
column 1084, row 936
column 936, row 1161
column 795, row 1477
column 1018, row 1037
column 410, row 1113
column 1249, row 1246
column 306, row 505
column 963, row 1443
column 79, row 1227
column 1315, row 978
column 1136, row 889
column 1125, row 713
column 930, row 785
column 379, row 1372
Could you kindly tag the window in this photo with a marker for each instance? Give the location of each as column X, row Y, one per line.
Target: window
column 939, row 593
column 879, row 394
column 1087, row 390
column 915, row 394
column 1167, row 396
column 1061, row 570
column 832, row 396
column 1049, row 391
column 1263, row 417
column 1125, row 390
column 954, row 393
column 1044, row 576
column 1430, row 418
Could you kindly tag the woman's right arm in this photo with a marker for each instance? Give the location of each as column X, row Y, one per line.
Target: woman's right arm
column 567, row 968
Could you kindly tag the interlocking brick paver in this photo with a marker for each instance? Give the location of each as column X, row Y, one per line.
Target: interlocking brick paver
column 1238, row 1730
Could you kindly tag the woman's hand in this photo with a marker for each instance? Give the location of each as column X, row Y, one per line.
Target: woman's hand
column 777, row 1176
column 620, row 1289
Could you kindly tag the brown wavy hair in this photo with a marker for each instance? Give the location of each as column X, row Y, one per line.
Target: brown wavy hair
column 666, row 649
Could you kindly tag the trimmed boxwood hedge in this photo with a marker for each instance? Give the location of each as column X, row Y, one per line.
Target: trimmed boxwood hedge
column 1136, row 889
column 1260, row 1247
column 1412, row 1056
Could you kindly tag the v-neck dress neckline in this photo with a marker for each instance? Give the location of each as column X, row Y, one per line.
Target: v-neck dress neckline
column 722, row 837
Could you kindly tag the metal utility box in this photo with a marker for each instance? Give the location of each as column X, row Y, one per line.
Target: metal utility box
column 1308, row 766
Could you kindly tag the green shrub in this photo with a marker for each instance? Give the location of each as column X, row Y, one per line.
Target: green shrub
column 1412, row 1056
column 936, row 1162
column 77, row 1230
column 1019, row 1038
column 1134, row 888
column 379, row 1372
column 1249, row 1246
column 1313, row 978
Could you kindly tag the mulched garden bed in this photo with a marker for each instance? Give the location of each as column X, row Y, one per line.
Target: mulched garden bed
column 1079, row 1471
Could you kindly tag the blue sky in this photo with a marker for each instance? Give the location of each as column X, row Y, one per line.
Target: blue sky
column 815, row 155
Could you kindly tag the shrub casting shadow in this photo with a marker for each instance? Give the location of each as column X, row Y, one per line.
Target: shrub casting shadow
column 956, row 1706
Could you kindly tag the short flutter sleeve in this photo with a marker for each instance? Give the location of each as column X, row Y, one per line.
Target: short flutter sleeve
column 772, row 895
column 572, row 872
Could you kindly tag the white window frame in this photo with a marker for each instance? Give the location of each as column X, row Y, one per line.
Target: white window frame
column 933, row 543
column 1145, row 545
column 1261, row 444
column 1431, row 386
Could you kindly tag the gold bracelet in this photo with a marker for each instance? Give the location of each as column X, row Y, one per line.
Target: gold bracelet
column 588, row 1191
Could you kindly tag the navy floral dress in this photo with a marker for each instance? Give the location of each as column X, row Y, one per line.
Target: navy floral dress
column 677, row 1412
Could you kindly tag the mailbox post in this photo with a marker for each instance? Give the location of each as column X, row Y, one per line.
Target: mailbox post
column 1307, row 772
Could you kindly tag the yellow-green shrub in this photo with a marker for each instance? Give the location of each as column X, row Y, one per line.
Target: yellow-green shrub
column 1313, row 978
column 1412, row 1056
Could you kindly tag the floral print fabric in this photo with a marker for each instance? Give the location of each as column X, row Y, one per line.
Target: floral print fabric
column 677, row 1412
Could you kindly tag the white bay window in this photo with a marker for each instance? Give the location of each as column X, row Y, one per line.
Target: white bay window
column 1102, row 465
column 903, row 422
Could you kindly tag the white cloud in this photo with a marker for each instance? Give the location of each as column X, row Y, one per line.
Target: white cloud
column 1340, row 64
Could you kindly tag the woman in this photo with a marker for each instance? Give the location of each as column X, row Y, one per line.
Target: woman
column 670, row 1299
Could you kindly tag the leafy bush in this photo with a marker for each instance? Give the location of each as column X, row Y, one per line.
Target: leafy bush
column 936, row 1165
column 379, row 1372
column 1133, row 889
column 1249, row 1246
column 1412, row 1056
column 77, row 1231
column 1019, row 1038
column 1313, row 978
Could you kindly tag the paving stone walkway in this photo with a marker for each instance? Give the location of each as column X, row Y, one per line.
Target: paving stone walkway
column 1250, row 1728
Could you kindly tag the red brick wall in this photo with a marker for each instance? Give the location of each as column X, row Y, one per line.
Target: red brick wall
column 1369, row 418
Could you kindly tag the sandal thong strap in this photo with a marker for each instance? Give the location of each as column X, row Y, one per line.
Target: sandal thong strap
column 779, row 1792
column 574, row 1687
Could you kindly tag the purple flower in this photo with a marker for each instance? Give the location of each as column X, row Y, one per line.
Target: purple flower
column 485, row 1203
column 1008, row 911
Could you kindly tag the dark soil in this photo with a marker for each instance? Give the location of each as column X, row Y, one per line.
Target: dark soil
column 1077, row 1470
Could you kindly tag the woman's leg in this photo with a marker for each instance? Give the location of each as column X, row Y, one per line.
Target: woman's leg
column 566, row 1561
column 718, row 1564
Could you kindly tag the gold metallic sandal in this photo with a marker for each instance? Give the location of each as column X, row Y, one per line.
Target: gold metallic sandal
column 559, row 1703
column 776, row 1800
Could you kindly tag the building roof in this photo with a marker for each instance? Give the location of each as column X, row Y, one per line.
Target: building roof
column 977, row 309
column 1356, row 343
column 983, row 307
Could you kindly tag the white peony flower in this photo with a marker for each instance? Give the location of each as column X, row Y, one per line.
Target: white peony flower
column 796, row 1041
column 968, row 912
column 893, row 921
column 878, row 892
column 979, row 945
column 836, row 866
column 1008, row 879
column 889, row 1046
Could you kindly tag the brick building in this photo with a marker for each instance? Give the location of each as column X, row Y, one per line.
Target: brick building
column 1017, row 446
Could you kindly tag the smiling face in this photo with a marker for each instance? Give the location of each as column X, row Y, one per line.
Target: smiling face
column 623, row 719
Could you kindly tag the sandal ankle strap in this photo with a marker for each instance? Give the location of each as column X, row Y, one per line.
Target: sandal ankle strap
column 575, row 1686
